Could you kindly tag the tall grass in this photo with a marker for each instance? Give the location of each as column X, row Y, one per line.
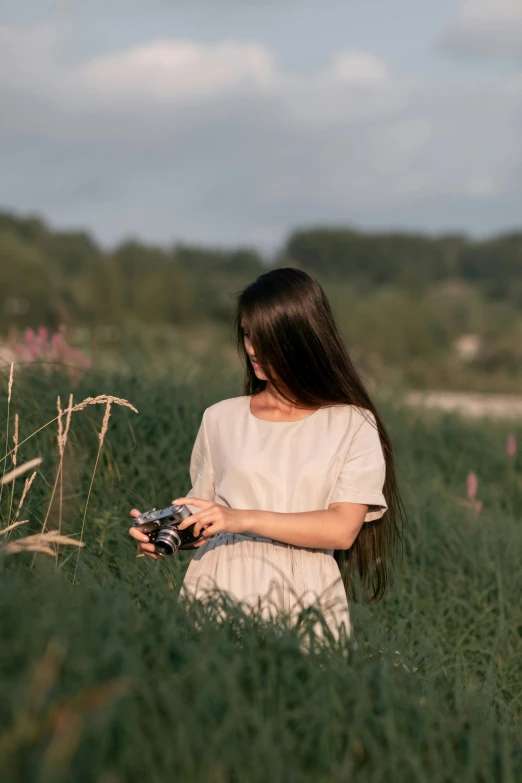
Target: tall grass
column 106, row 676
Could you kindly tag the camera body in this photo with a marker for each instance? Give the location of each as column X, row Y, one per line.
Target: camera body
column 162, row 529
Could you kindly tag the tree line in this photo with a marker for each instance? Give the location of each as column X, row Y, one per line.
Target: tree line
column 51, row 277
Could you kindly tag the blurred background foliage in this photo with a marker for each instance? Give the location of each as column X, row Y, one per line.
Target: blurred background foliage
column 100, row 657
column 415, row 310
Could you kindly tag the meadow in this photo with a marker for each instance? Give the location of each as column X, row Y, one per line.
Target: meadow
column 106, row 677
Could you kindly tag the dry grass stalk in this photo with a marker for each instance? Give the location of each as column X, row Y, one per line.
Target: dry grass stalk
column 68, row 420
column 27, row 717
column 105, row 424
column 10, row 384
column 27, row 487
column 68, row 728
column 102, row 399
column 9, row 390
column 44, row 675
column 11, row 549
column 101, row 437
column 14, row 460
column 60, row 426
column 8, row 477
column 63, row 433
column 15, row 441
column 11, row 527
column 39, row 542
column 59, row 721
column 62, row 442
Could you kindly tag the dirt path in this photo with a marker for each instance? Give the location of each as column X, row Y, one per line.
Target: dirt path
column 476, row 405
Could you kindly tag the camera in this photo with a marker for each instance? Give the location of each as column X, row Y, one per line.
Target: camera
column 162, row 529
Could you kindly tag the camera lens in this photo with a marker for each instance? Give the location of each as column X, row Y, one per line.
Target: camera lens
column 168, row 541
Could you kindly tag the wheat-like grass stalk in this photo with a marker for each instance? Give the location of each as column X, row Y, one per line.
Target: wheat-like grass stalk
column 65, row 435
column 14, row 459
column 11, row 549
column 60, row 426
column 9, row 390
column 33, row 543
column 20, row 470
column 62, row 441
column 105, row 424
column 12, row 527
column 10, row 384
column 26, row 719
column 101, row 399
column 39, row 542
column 101, row 438
column 10, row 477
column 27, row 487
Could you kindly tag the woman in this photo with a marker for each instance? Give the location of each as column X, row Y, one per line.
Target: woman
column 293, row 483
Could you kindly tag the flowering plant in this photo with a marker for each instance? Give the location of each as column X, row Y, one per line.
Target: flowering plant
column 471, row 492
column 52, row 350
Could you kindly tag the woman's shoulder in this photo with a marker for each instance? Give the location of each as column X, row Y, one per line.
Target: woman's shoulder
column 225, row 407
column 353, row 420
column 354, row 413
column 361, row 414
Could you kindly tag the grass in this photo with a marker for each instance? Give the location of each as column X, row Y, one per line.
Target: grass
column 105, row 676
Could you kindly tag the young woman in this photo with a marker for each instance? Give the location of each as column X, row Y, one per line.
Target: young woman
column 293, row 483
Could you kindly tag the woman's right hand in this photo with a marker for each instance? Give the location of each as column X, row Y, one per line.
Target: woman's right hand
column 144, row 544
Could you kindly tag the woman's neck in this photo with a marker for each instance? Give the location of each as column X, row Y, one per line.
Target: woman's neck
column 273, row 399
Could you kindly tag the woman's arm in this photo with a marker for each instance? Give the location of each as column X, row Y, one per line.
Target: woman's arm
column 336, row 527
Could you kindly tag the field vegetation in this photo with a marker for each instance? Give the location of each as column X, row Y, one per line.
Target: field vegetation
column 417, row 311
column 105, row 676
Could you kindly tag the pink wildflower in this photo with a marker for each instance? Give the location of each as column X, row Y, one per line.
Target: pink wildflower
column 53, row 350
column 472, row 484
column 42, row 335
column 472, row 487
column 511, row 446
column 32, row 343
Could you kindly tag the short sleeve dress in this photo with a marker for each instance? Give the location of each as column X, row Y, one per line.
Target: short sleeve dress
column 244, row 462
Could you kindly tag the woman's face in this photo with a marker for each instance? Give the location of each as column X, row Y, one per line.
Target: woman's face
column 251, row 353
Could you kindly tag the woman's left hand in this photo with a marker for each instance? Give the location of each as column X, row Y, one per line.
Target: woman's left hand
column 213, row 518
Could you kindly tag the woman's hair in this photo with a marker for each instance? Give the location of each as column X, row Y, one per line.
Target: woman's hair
column 299, row 347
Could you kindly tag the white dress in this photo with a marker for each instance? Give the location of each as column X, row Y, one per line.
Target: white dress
column 244, row 462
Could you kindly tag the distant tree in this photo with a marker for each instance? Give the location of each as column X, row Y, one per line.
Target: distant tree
column 134, row 263
column 166, row 296
column 72, row 252
column 496, row 264
column 378, row 259
column 31, row 229
column 27, row 285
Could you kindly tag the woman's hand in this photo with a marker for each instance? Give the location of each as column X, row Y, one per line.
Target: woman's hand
column 213, row 518
column 144, row 544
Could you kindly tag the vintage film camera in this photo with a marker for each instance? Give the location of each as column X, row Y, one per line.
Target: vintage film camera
column 162, row 529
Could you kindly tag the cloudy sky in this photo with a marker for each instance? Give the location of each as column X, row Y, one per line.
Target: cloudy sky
column 236, row 121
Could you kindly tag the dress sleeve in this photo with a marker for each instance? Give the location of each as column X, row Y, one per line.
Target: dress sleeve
column 361, row 479
column 201, row 471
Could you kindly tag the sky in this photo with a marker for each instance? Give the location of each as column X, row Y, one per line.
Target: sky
column 235, row 123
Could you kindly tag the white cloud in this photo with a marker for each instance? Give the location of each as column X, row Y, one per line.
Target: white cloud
column 166, row 70
column 218, row 141
column 487, row 27
column 26, row 57
column 360, row 68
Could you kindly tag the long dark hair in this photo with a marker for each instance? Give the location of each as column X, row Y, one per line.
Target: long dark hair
column 298, row 344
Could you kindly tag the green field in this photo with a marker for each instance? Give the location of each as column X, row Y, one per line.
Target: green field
column 106, row 677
